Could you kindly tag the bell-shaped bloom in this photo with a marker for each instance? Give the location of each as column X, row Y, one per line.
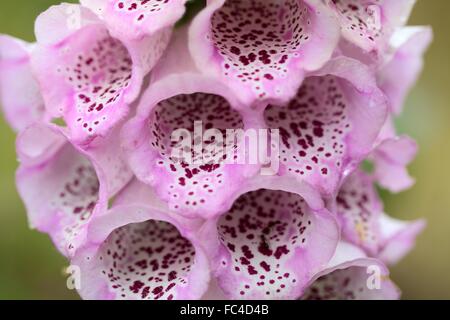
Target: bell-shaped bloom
column 19, row 92
column 268, row 245
column 398, row 74
column 87, row 76
column 140, row 251
column 179, row 141
column 263, row 48
column 63, row 186
column 351, row 275
column 369, row 24
column 214, row 292
column 223, row 159
column 330, row 126
column 364, row 223
column 398, row 65
column 136, row 20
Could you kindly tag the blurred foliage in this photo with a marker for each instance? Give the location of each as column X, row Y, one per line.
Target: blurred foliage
column 192, row 8
column 30, row 267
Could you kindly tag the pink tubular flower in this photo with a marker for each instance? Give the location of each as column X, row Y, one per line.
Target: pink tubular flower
column 364, row 223
column 391, row 159
column 347, row 277
column 63, row 186
column 369, row 24
column 331, row 124
column 140, row 251
column 19, row 92
column 88, row 77
column 136, row 20
column 179, row 96
column 269, row 244
column 401, row 70
column 395, row 76
column 262, row 49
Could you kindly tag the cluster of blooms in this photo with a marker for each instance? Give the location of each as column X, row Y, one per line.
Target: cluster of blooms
column 96, row 98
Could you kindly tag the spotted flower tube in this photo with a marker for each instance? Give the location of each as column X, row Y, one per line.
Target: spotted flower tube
column 87, row 76
column 64, row 186
column 218, row 149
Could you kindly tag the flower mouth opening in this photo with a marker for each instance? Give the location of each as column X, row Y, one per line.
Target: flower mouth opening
column 262, row 233
column 342, row 284
column 313, row 127
column 189, row 129
column 258, row 39
column 362, row 21
column 147, row 260
column 100, row 77
column 188, row 133
column 77, row 199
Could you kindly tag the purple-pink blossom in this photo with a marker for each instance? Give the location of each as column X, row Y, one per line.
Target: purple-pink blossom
column 309, row 88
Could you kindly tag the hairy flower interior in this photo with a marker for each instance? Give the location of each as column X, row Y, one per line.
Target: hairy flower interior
column 147, row 260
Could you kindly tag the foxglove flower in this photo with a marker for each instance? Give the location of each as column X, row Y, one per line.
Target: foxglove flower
column 391, row 159
column 140, row 251
column 270, row 244
column 369, row 24
column 396, row 71
column 396, row 76
column 364, row 223
column 63, row 186
column 144, row 189
column 262, row 49
column 253, row 250
column 346, row 278
column 331, row 124
column 87, row 76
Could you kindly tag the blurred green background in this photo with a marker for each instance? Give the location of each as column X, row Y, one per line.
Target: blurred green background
column 30, row 268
